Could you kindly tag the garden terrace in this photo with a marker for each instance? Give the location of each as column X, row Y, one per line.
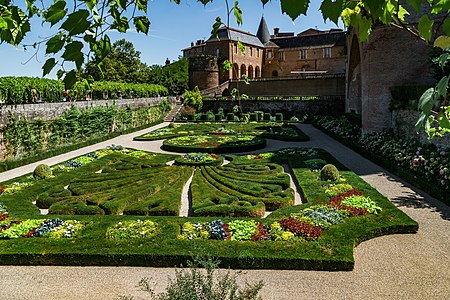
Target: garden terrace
column 279, row 131
column 292, row 237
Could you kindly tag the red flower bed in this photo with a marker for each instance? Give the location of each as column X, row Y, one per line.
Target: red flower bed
column 209, row 144
column 302, row 229
column 336, row 203
column 260, row 233
column 3, row 216
column 2, row 188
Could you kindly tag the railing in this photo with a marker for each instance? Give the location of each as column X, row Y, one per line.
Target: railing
column 294, row 77
column 280, row 98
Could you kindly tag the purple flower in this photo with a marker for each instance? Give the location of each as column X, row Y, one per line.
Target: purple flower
column 445, row 177
column 441, row 172
column 416, row 161
column 442, row 182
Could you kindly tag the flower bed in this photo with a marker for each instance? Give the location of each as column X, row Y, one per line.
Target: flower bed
column 425, row 166
column 214, row 143
column 199, row 159
column 320, row 234
column 47, row 228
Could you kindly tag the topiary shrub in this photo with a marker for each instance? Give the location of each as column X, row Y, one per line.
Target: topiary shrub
column 259, row 115
column 279, row 117
column 266, row 117
column 42, row 171
column 253, row 117
column 171, row 125
column 329, row 172
column 218, row 117
column 230, row 117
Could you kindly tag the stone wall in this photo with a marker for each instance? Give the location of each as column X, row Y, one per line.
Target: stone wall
column 325, row 86
column 403, row 124
column 289, row 108
column 48, row 111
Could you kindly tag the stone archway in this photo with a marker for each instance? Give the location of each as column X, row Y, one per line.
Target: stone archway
column 243, row 70
column 354, row 88
column 257, row 72
column 275, row 73
column 235, row 71
column 250, row 72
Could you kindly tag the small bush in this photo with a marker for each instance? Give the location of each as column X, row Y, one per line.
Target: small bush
column 172, row 125
column 267, row 117
column 279, row 117
column 329, row 172
column 42, row 171
column 293, row 119
column 259, row 115
column 230, row 117
column 253, row 117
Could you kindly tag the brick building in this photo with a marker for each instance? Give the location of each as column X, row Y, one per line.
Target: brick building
column 282, row 54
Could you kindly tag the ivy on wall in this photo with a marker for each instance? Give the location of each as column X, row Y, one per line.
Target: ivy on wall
column 23, row 137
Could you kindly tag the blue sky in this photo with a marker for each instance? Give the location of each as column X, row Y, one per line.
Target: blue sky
column 173, row 27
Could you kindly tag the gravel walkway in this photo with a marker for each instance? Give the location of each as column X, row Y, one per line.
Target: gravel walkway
column 407, row 266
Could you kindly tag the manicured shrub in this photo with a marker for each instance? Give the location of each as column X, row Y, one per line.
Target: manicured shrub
column 218, row 117
column 171, row 125
column 267, row 117
column 279, row 117
column 253, row 117
column 42, row 171
column 230, row 117
column 329, row 172
column 260, row 115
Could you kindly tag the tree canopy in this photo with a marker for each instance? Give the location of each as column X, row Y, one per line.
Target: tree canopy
column 83, row 25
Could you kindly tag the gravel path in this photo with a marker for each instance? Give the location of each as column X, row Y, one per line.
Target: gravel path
column 407, row 266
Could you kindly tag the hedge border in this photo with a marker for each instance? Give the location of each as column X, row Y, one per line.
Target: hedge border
column 390, row 167
column 11, row 164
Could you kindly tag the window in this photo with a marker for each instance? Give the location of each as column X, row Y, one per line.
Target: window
column 235, row 48
column 280, row 56
column 302, row 54
column 251, row 51
column 257, row 52
column 326, row 52
column 269, row 54
column 217, row 52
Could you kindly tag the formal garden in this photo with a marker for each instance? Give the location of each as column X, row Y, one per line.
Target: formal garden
column 122, row 206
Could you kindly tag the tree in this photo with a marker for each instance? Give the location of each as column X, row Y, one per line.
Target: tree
column 86, row 22
column 122, row 64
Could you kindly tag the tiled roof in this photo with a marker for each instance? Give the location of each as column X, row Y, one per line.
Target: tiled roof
column 263, row 31
column 232, row 34
column 323, row 39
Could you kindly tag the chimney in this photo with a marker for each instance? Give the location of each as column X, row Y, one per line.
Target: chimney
column 276, row 31
column 192, row 44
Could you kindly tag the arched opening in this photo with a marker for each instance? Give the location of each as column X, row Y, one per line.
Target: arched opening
column 235, row 71
column 354, row 103
column 274, row 73
column 243, row 70
column 257, row 72
column 250, row 72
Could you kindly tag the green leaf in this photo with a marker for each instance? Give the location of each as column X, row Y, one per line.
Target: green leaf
column 264, row 2
column 121, row 24
column 60, row 73
column 374, row 7
column 216, row 27
column 142, row 24
column 17, row 26
column 331, row 10
column 241, row 47
column 90, row 4
column 142, row 5
column 402, row 12
column 440, row 6
column 442, row 42
column 237, row 13
column 420, row 121
column 55, row 44
column 55, row 13
column 77, row 22
column 226, row 65
column 441, row 87
column 426, row 101
column 443, row 59
column 294, row 8
column 425, row 27
column 446, row 26
column 48, row 66
column 365, row 27
column 416, row 4
column 70, row 79
column 73, row 53
column 122, row 3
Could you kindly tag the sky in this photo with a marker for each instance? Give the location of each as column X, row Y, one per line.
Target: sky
column 173, row 27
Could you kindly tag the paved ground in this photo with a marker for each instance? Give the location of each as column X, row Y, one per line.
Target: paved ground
column 412, row 266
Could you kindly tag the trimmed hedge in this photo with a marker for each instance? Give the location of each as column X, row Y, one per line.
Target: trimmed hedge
column 332, row 251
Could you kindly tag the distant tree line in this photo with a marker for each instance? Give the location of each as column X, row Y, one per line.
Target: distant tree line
column 123, row 64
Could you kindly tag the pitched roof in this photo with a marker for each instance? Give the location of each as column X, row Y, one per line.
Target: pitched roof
column 329, row 39
column 231, row 34
column 263, row 31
